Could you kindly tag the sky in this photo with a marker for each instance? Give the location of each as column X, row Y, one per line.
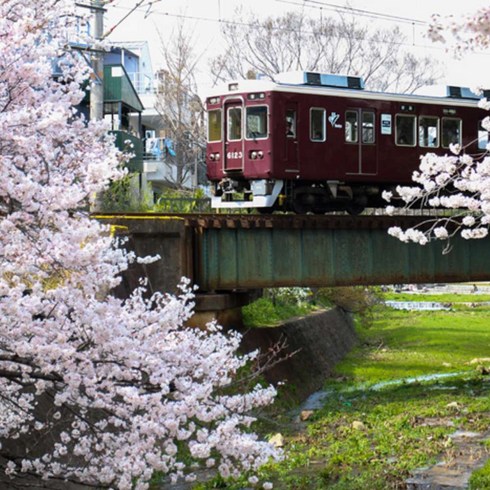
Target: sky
column 202, row 17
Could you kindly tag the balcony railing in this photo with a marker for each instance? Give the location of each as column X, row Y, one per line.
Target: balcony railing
column 144, row 84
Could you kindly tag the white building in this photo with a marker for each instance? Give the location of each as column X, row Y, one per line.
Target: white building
column 158, row 169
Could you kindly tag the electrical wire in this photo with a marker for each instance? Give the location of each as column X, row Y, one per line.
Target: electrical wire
column 136, row 7
column 279, row 29
column 360, row 12
column 259, row 26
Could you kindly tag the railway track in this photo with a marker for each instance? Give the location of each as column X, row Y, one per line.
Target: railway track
column 279, row 221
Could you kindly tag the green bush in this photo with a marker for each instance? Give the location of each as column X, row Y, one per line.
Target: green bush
column 124, row 196
column 359, row 300
column 181, row 201
column 278, row 305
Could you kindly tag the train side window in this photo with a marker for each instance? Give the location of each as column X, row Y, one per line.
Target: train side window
column 451, row 131
column 428, row 131
column 483, row 137
column 368, row 127
column 318, row 120
column 256, row 122
column 351, row 125
column 214, row 125
column 405, row 130
column 291, row 124
column 234, row 123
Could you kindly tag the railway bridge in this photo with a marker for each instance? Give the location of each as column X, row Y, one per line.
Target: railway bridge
column 228, row 256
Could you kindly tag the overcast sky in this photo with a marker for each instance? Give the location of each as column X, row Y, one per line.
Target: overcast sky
column 202, row 18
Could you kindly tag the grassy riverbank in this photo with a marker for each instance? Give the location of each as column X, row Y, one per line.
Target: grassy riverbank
column 372, row 436
column 365, row 438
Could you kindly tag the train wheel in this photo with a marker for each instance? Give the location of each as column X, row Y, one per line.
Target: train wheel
column 355, row 209
column 299, row 207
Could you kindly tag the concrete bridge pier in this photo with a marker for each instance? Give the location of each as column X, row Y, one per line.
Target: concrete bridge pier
column 174, row 242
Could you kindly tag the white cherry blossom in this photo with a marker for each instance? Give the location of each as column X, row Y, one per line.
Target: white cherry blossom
column 98, row 389
column 459, row 181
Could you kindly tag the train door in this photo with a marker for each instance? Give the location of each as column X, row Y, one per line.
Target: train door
column 291, row 156
column 233, row 150
column 361, row 146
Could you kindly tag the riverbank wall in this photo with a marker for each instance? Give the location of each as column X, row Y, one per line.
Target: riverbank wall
column 313, row 345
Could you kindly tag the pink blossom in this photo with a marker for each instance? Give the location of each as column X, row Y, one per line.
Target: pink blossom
column 460, row 181
column 130, row 389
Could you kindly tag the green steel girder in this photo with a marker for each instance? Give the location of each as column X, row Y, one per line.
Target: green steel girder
column 242, row 258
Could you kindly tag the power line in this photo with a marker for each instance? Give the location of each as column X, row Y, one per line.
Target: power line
column 259, row 26
column 361, row 12
column 278, row 29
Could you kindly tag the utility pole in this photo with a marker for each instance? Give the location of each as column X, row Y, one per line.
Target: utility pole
column 97, row 88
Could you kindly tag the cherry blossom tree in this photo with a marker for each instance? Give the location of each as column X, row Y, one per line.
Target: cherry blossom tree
column 93, row 388
column 458, row 181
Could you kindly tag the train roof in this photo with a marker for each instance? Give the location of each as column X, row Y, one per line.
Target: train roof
column 345, row 86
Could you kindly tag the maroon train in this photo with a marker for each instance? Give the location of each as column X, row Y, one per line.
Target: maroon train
column 317, row 143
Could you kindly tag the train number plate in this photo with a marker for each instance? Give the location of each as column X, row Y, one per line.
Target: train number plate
column 234, row 155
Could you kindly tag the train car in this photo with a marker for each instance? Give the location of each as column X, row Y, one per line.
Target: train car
column 313, row 142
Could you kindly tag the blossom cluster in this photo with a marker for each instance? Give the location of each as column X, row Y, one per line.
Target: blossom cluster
column 458, row 182
column 463, row 34
column 93, row 388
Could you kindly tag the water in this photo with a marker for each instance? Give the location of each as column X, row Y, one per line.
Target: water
column 417, row 305
column 316, row 400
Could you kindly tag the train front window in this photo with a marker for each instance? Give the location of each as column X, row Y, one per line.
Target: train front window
column 428, row 131
column 318, row 118
column 351, row 125
column 405, row 130
column 451, row 131
column 257, row 122
column 214, row 125
column 234, row 123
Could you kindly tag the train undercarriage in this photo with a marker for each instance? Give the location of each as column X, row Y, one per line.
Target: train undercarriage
column 267, row 195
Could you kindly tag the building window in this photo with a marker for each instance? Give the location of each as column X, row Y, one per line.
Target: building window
column 351, row 125
column 428, row 131
column 451, row 131
column 405, row 130
column 214, row 125
column 257, row 122
column 234, row 123
column 318, row 119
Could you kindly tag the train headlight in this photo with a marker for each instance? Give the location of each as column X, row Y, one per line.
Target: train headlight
column 211, row 157
column 217, row 156
column 260, row 154
column 253, row 155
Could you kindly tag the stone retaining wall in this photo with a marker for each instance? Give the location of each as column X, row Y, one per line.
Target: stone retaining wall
column 321, row 339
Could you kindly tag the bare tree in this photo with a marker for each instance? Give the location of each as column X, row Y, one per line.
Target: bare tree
column 295, row 41
column 180, row 108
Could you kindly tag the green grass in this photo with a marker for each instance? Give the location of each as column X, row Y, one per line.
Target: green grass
column 373, row 439
column 404, row 344
column 447, row 298
column 480, row 479
column 404, row 426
